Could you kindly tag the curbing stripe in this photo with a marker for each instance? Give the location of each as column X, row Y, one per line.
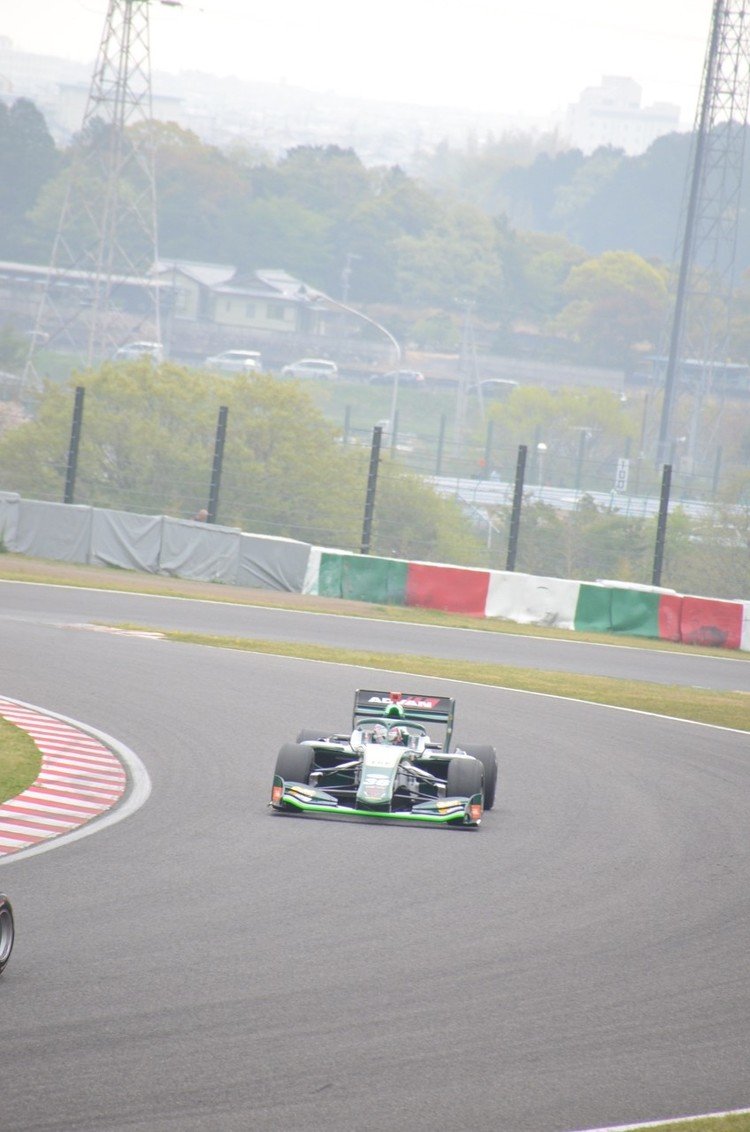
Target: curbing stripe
column 82, row 785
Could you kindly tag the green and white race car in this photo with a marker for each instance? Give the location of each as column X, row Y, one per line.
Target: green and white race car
column 388, row 765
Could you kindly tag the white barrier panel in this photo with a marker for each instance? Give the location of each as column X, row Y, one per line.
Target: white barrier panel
column 9, row 501
column 272, row 563
column 61, row 531
column 529, row 600
column 745, row 639
column 311, row 584
column 119, row 538
column 199, row 550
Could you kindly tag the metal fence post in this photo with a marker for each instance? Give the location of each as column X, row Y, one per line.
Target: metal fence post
column 75, row 438
column 372, row 483
column 221, row 432
column 661, row 526
column 515, row 518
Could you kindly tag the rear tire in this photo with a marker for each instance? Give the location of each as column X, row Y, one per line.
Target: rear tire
column 7, row 931
column 488, row 759
column 465, row 778
column 294, row 763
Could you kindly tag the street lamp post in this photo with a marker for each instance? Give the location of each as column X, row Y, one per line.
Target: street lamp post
column 394, row 343
column 541, row 452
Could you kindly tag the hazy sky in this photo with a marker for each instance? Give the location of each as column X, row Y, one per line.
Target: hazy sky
column 502, row 56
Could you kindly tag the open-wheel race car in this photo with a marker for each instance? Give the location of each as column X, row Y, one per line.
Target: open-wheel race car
column 388, row 765
column 7, row 931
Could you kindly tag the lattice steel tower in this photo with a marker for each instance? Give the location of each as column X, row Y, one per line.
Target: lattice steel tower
column 703, row 294
column 101, row 288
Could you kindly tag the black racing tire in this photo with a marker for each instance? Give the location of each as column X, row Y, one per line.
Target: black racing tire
column 465, row 778
column 488, row 759
column 7, row 931
column 294, row 763
column 309, row 733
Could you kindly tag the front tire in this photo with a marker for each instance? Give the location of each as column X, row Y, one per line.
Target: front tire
column 294, row 763
column 488, row 759
column 7, row 931
column 464, row 779
column 308, row 733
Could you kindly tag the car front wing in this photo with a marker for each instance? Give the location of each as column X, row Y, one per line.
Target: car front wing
column 436, row 811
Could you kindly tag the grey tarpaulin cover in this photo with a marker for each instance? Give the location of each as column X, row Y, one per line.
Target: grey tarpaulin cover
column 271, row 563
column 132, row 542
column 52, row 530
column 199, row 550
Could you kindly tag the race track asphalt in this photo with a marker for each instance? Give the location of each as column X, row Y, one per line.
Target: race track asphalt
column 580, row 960
column 40, row 604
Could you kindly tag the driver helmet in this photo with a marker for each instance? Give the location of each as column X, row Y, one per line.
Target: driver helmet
column 379, row 733
column 398, row 735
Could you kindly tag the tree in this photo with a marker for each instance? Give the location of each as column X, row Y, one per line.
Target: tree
column 616, row 303
column 27, row 160
column 147, row 446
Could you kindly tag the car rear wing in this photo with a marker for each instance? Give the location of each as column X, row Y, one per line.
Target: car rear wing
column 417, row 708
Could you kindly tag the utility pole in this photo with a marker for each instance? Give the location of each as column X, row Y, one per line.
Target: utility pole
column 468, row 377
column 101, row 287
column 702, row 301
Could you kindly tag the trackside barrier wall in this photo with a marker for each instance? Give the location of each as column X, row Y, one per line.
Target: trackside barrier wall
column 530, row 600
column 184, row 548
column 706, row 621
column 126, row 541
column 456, row 589
column 745, row 642
column 52, row 530
column 268, row 562
column 200, row 551
column 9, row 503
column 153, row 544
column 363, row 578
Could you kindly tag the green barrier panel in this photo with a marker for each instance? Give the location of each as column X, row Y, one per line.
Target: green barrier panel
column 635, row 612
column 593, row 609
column 360, row 577
column 379, row 580
column 329, row 574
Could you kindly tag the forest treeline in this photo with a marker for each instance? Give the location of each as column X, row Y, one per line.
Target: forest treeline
column 570, row 252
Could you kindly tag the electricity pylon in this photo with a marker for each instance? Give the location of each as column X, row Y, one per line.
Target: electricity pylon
column 101, row 287
column 705, row 282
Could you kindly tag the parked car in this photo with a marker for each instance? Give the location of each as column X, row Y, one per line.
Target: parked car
column 405, row 377
column 311, row 367
column 235, row 361
column 132, row 350
column 498, row 387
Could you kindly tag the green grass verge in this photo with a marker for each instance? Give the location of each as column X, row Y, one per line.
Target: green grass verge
column 725, row 709
column 20, row 760
column 740, row 1122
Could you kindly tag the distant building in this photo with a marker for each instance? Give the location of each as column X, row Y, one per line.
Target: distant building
column 612, row 115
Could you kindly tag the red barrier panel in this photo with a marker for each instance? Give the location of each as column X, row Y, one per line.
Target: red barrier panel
column 705, row 621
column 447, row 587
column 670, row 608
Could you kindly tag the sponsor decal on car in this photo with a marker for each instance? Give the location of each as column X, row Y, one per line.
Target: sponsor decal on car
column 422, row 702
